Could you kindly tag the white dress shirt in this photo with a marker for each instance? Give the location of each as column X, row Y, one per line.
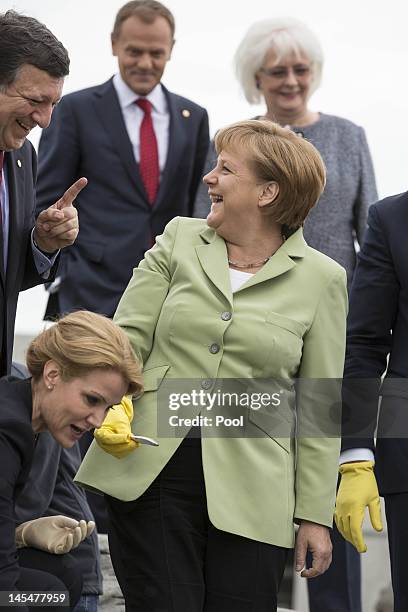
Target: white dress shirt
column 133, row 117
column 238, row 278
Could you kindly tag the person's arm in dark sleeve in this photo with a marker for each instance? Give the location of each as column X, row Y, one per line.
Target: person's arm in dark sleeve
column 38, row 267
column 202, row 203
column 373, row 309
column 13, row 439
column 203, row 140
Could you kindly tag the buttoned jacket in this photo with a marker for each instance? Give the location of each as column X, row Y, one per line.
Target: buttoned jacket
column 87, row 137
column 21, row 272
column 286, row 322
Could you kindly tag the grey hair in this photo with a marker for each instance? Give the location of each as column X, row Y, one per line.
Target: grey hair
column 284, row 35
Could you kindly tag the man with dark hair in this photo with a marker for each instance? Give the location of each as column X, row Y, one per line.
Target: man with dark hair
column 32, row 70
column 24, row 40
column 33, row 65
column 143, row 150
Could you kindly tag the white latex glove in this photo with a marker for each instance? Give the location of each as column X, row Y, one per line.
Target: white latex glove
column 54, row 534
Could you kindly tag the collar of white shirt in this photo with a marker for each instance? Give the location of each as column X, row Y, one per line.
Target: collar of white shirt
column 127, row 97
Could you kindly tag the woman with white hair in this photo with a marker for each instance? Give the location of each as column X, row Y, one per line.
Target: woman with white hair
column 279, row 61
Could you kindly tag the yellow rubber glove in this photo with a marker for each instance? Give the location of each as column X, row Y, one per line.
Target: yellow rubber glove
column 358, row 489
column 114, row 434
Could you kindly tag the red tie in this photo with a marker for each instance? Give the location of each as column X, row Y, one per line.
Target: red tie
column 149, row 156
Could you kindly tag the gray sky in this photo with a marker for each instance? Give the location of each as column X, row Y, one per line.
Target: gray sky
column 364, row 78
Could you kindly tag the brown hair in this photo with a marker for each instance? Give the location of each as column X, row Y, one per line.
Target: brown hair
column 278, row 154
column 83, row 341
column 146, row 10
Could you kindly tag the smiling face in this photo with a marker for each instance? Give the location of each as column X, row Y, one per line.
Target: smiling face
column 235, row 191
column 69, row 408
column 143, row 49
column 26, row 103
column 285, row 84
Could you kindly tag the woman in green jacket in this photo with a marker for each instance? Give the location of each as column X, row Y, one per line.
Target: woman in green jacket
column 238, row 303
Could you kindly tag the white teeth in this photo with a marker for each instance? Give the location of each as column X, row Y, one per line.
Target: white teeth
column 216, row 198
column 25, row 127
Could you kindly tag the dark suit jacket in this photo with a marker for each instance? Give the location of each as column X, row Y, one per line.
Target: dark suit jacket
column 16, row 454
column 87, row 137
column 378, row 327
column 49, row 490
column 21, row 271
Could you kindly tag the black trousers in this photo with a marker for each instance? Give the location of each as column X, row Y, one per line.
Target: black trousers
column 44, row 572
column 396, row 509
column 168, row 557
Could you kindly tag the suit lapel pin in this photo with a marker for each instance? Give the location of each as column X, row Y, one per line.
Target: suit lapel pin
column 186, row 113
column 19, row 164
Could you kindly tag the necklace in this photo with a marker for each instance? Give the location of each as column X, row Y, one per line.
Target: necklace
column 254, row 264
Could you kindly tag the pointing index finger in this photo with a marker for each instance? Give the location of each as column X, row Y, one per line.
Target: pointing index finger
column 71, row 193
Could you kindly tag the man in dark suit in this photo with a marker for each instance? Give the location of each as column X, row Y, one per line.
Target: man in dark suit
column 377, row 332
column 33, row 65
column 143, row 150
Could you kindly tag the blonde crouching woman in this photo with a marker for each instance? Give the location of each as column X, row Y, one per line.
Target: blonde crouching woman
column 79, row 368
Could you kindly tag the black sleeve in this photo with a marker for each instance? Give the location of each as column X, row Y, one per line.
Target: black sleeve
column 203, row 141
column 12, row 442
column 31, row 276
column 373, row 310
column 35, row 497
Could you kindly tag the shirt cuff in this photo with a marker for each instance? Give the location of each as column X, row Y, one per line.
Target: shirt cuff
column 356, row 454
column 43, row 261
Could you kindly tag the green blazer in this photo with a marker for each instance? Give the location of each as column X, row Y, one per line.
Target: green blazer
column 287, row 321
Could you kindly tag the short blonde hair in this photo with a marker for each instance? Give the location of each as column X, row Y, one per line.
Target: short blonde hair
column 277, row 154
column 83, row 341
column 284, row 36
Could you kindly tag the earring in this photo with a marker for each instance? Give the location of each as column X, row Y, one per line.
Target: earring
column 50, row 387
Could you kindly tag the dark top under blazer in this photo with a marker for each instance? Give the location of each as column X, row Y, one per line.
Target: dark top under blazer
column 17, row 442
column 21, row 271
column 378, row 327
column 49, row 490
column 87, row 137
